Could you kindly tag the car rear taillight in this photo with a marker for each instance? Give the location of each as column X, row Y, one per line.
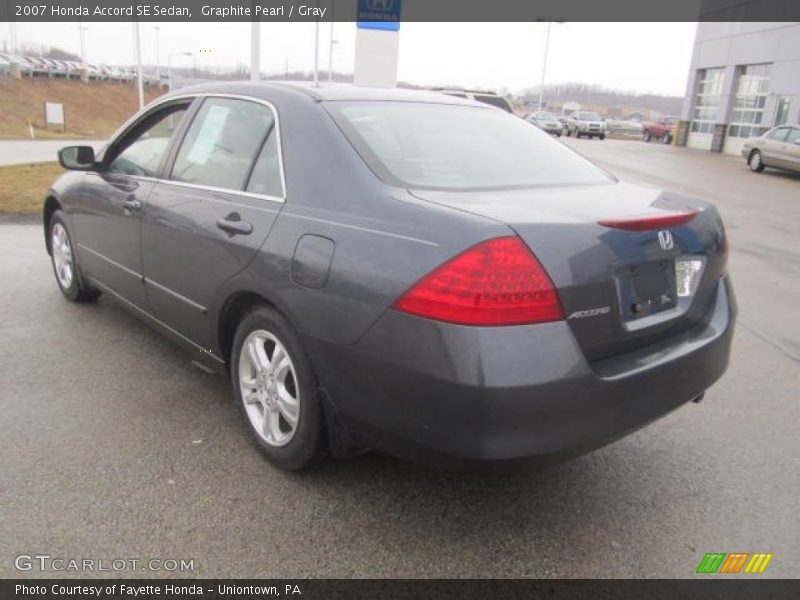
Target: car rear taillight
column 497, row 282
column 646, row 222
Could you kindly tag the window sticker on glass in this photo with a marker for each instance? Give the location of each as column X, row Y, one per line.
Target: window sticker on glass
column 208, row 136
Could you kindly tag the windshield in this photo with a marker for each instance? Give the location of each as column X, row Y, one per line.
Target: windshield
column 589, row 116
column 545, row 116
column 440, row 146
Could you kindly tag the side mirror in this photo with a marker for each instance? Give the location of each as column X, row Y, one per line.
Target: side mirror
column 77, row 158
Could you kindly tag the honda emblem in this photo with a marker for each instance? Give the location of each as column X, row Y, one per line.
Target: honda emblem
column 665, row 240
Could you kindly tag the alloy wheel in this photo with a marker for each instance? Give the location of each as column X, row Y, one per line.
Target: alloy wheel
column 62, row 256
column 269, row 388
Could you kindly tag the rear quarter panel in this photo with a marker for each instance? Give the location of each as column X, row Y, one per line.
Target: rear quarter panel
column 383, row 238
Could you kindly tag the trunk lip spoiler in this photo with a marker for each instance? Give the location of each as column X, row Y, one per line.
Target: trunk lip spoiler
column 650, row 221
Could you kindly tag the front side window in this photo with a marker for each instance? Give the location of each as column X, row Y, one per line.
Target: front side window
column 221, row 144
column 793, row 137
column 439, row 146
column 143, row 153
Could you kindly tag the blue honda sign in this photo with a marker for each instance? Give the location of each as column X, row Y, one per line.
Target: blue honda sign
column 379, row 14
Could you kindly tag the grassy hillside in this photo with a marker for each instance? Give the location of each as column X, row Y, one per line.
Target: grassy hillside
column 92, row 110
column 24, row 186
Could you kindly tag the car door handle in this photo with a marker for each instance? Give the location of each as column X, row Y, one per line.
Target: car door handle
column 131, row 204
column 234, row 225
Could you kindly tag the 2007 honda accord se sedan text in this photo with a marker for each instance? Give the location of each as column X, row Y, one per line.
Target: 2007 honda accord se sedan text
column 398, row 270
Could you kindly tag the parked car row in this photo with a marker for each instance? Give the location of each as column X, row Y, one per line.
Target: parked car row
column 34, row 66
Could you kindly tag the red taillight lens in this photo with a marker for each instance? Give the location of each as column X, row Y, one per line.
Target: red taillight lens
column 497, row 282
column 646, row 222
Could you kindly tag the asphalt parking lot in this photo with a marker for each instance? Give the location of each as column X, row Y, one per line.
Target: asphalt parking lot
column 112, row 445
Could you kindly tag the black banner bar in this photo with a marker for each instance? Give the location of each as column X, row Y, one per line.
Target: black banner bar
column 410, row 10
column 389, row 589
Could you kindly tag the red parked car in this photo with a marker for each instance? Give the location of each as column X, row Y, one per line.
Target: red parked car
column 663, row 129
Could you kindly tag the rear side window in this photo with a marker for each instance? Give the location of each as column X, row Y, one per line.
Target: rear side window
column 440, row 146
column 221, row 143
column 266, row 176
column 779, row 134
column 794, row 136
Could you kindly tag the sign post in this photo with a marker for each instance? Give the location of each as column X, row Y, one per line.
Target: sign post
column 377, row 43
column 54, row 115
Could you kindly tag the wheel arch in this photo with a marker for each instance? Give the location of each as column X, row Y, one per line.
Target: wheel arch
column 338, row 437
column 235, row 306
column 51, row 205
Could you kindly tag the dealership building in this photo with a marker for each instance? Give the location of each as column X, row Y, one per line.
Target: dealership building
column 744, row 78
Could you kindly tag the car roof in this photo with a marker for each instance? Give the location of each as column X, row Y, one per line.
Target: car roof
column 324, row 92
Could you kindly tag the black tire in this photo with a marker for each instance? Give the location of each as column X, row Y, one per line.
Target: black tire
column 602, row 136
column 646, row 136
column 666, row 138
column 569, row 133
column 755, row 161
column 77, row 290
column 307, row 444
column 578, row 135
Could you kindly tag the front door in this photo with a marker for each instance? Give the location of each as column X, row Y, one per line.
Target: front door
column 207, row 219
column 109, row 205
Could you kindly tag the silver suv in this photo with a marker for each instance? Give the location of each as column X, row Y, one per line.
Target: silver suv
column 588, row 123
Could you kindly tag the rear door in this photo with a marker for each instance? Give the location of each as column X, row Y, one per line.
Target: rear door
column 206, row 220
column 790, row 150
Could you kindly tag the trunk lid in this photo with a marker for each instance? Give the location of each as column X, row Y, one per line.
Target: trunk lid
column 617, row 287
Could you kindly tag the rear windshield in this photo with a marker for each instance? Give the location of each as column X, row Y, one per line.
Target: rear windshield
column 440, row 146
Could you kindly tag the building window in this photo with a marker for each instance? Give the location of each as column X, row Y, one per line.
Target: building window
column 707, row 100
column 782, row 111
column 749, row 101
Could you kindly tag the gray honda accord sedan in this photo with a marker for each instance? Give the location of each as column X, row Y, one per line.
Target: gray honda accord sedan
column 398, row 270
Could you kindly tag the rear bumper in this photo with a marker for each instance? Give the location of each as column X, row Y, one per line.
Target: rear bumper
column 442, row 393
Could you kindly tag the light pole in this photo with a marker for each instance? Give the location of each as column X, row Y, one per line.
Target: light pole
column 158, row 57
column 255, row 50
column 137, row 41
column 82, row 29
column 544, row 65
column 12, row 37
column 316, row 53
column 169, row 65
column 330, row 54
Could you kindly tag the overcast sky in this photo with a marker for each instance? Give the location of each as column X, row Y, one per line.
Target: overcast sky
column 640, row 57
